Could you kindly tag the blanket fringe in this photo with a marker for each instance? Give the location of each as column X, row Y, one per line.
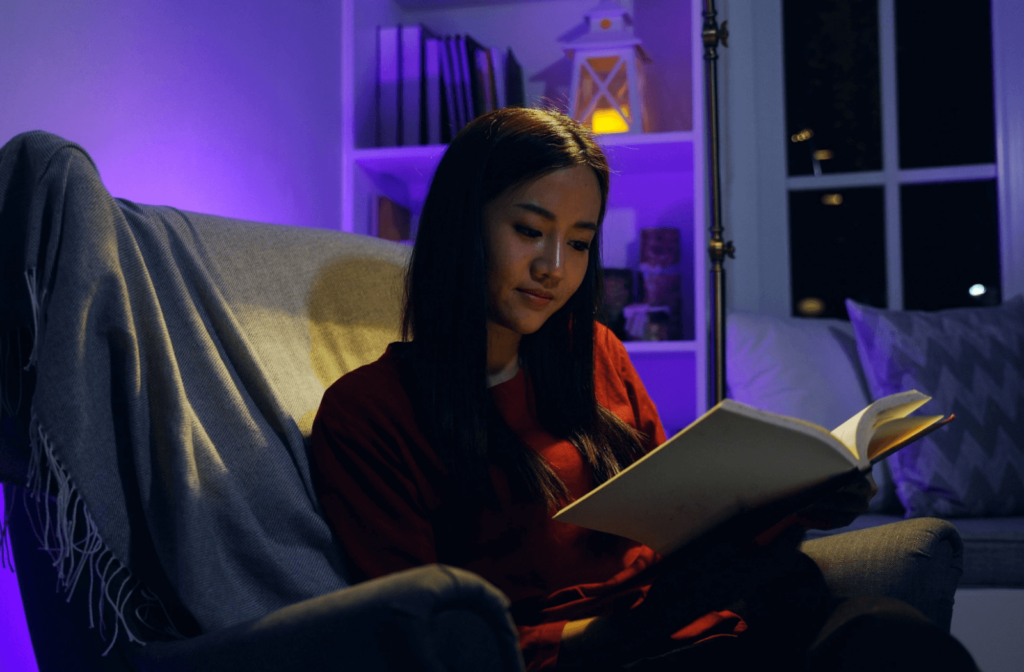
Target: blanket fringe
column 66, row 531
column 33, row 296
column 61, row 521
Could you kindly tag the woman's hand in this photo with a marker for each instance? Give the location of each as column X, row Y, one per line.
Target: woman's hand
column 691, row 584
column 841, row 507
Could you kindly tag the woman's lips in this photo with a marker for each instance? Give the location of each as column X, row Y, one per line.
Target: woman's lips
column 534, row 299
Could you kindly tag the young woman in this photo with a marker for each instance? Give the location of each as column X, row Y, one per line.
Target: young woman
column 506, row 400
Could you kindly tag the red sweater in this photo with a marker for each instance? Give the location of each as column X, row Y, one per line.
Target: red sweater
column 382, row 488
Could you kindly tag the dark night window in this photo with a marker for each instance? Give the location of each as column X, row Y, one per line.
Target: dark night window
column 870, row 85
column 946, row 116
column 836, row 250
column 833, row 113
column 950, row 245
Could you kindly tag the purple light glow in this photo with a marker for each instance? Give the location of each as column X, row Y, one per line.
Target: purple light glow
column 230, row 108
column 15, row 644
column 667, row 377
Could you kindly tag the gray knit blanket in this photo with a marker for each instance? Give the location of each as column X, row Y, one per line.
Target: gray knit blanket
column 168, row 468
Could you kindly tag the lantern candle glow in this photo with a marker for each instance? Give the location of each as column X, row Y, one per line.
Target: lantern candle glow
column 606, row 94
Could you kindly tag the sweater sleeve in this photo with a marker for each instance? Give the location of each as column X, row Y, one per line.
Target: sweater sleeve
column 369, row 486
column 645, row 413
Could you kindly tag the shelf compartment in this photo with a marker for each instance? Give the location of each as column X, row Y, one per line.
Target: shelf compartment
column 404, row 173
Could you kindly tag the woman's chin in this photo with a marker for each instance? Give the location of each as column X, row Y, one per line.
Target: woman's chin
column 530, row 324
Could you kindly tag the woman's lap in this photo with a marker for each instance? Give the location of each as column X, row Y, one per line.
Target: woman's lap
column 795, row 624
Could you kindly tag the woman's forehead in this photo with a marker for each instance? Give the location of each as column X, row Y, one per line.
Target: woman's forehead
column 574, row 181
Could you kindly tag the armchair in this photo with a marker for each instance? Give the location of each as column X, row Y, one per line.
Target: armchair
column 165, row 370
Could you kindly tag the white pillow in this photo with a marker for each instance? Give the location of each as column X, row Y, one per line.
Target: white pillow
column 806, row 368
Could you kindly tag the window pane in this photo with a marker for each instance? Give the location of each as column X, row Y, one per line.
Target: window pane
column 837, row 250
column 833, row 110
column 944, row 83
column 950, row 245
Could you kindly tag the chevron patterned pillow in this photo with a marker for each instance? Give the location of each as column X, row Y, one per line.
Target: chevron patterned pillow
column 971, row 361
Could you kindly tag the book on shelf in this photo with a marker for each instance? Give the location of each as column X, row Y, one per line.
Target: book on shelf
column 430, row 86
column 411, row 108
column 497, row 77
column 515, row 93
column 459, row 114
column 737, row 471
column 433, row 101
column 389, row 220
column 449, row 120
column 485, row 75
column 466, row 79
column 388, row 85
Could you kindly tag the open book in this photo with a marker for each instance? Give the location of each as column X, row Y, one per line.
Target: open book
column 735, row 460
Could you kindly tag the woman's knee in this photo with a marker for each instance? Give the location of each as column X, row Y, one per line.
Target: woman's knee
column 884, row 633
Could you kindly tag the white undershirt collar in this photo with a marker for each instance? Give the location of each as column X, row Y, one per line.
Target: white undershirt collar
column 506, row 374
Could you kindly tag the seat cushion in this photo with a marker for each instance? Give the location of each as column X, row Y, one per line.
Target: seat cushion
column 993, row 551
column 993, row 547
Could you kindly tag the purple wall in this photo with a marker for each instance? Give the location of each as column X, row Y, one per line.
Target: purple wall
column 15, row 648
column 230, row 107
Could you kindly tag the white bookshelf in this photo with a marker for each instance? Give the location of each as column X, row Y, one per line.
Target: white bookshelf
column 657, row 177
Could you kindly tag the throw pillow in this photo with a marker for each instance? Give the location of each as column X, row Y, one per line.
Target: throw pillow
column 971, row 362
column 805, row 368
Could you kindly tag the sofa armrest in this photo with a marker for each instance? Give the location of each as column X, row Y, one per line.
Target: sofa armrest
column 434, row 618
column 918, row 561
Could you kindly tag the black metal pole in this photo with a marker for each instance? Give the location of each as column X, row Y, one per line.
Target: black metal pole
column 711, row 34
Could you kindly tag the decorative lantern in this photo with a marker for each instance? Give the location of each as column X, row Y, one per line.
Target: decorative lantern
column 607, row 62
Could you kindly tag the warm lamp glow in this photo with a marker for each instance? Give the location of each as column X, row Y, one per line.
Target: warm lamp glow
column 609, row 120
column 810, row 306
column 607, row 72
column 823, row 154
column 805, row 134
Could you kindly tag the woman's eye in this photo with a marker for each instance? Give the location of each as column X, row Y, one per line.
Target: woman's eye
column 527, row 231
column 580, row 245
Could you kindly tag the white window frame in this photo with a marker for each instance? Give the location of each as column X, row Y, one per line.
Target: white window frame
column 754, row 143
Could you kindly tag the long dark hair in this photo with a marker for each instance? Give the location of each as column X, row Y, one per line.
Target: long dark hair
column 446, row 311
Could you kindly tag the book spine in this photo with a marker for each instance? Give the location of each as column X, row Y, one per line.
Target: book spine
column 483, row 78
column 449, row 125
column 432, row 81
column 515, row 91
column 498, row 78
column 477, row 78
column 453, row 57
column 388, row 84
column 412, row 84
column 468, row 102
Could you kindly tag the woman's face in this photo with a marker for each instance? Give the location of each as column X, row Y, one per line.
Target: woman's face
column 538, row 238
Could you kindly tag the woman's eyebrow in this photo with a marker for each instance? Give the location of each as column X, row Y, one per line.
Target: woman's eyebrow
column 548, row 215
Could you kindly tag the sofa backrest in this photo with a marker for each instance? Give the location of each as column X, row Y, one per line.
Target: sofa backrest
column 314, row 304
column 177, row 361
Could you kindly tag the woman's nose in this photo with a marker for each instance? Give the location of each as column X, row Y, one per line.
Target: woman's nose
column 551, row 260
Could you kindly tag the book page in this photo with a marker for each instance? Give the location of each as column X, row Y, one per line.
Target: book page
column 856, row 432
column 897, row 433
column 733, row 459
